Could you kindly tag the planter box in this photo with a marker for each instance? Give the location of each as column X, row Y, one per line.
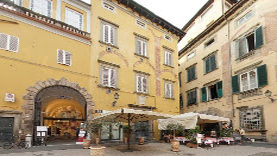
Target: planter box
column 190, row 145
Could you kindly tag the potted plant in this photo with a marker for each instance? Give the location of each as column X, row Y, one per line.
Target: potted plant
column 142, row 128
column 192, row 137
column 94, row 128
column 125, row 132
column 175, row 128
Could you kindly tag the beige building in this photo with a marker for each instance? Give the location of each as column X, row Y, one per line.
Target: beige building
column 227, row 68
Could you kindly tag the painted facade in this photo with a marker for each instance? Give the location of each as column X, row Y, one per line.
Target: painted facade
column 233, row 83
column 60, row 68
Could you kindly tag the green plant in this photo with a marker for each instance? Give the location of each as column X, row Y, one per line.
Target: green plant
column 192, row 133
column 94, row 126
column 176, row 128
column 126, row 128
column 226, row 132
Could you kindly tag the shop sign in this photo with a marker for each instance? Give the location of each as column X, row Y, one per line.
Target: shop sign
column 10, row 97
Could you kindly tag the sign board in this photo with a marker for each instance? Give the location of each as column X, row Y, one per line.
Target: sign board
column 41, row 129
column 10, row 97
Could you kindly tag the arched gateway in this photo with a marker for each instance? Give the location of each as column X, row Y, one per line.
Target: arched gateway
column 59, row 104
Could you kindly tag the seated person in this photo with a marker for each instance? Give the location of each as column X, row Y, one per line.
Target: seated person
column 213, row 134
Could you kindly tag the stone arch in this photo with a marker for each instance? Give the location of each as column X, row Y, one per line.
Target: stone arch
column 33, row 91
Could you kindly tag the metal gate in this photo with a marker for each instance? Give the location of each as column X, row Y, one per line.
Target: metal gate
column 6, row 129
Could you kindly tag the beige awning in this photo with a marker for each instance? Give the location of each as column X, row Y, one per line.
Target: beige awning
column 190, row 120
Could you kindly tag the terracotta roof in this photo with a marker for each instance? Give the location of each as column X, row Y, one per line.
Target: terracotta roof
column 142, row 11
column 214, row 25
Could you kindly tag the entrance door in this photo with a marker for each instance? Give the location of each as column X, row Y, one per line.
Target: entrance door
column 142, row 129
column 6, row 129
column 110, row 131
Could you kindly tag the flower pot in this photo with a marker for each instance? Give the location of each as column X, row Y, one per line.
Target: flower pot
column 97, row 150
column 86, row 143
column 175, row 145
column 190, row 145
column 125, row 140
column 97, row 141
column 141, row 140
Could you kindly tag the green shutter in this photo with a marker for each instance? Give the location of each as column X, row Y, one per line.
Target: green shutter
column 207, row 65
column 212, row 62
column 204, row 94
column 193, row 73
column 180, row 82
column 219, row 89
column 181, row 101
column 259, row 37
column 242, row 47
column 235, row 84
column 262, row 75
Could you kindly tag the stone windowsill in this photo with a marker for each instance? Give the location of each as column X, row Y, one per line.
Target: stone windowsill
column 191, row 80
column 107, row 87
column 169, row 98
column 108, row 44
column 250, row 93
column 146, row 57
column 211, row 71
column 246, row 55
column 140, row 93
column 168, row 65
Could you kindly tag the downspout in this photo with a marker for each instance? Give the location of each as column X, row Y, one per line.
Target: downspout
column 230, row 53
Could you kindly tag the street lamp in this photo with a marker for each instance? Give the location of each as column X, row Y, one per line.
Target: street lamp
column 116, row 95
column 268, row 94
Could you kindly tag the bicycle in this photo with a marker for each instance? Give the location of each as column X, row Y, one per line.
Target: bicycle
column 20, row 144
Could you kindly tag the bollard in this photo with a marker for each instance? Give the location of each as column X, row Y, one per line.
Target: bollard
column 28, row 139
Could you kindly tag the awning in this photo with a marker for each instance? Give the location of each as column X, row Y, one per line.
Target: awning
column 190, row 120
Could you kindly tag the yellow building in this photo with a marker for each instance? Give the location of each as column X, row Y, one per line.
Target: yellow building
column 64, row 60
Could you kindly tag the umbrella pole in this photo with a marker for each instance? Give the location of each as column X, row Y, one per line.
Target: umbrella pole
column 129, row 130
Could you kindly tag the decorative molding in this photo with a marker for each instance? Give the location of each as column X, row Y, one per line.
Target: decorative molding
column 141, row 72
column 191, row 66
column 79, row 4
column 211, row 82
column 116, row 53
column 210, row 54
column 108, row 63
column 141, row 36
column 108, row 21
column 247, row 68
column 169, row 80
column 250, row 93
column 166, row 47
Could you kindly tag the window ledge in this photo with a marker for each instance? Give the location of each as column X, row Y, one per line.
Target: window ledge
column 191, row 80
column 107, row 87
column 250, row 93
column 168, row 65
column 108, row 44
column 211, row 71
column 140, row 93
column 195, row 104
column 216, row 99
column 246, row 55
column 169, row 98
column 255, row 130
column 146, row 57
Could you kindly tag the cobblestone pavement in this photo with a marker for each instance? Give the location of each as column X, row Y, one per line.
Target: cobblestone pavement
column 155, row 149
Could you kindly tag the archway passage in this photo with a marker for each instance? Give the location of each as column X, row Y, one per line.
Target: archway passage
column 61, row 109
column 58, row 103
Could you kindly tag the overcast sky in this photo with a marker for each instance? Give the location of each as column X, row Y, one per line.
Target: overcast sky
column 177, row 12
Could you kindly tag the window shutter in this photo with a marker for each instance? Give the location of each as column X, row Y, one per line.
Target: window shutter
column 112, row 35
column 144, row 48
column 181, row 101
column 139, row 84
column 165, row 57
column 259, row 37
column 219, row 89
column 170, row 58
column 189, row 98
column 13, row 44
column 49, row 8
column 194, row 96
column 60, row 58
column 144, row 82
column 3, row 41
column 112, row 78
column 242, row 47
column 67, row 58
column 172, row 90
column 193, row 73
column 262, row 76
column 213, row 63
column 188, row 74
column 204, row 94
column 105, row 76
column 139, row 47
column 235, row 84
column 207, row 65
column 106, row 33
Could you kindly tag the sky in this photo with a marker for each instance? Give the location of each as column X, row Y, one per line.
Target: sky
column 177, row 12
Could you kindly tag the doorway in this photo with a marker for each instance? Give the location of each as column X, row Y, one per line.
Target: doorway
column 6, row 129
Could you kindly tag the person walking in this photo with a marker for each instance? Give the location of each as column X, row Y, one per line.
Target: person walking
column 242, row 134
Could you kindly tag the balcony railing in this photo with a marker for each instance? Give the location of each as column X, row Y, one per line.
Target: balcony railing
column 27, row 13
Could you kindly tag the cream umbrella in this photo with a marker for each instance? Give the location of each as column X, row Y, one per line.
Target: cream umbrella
column 131, row 115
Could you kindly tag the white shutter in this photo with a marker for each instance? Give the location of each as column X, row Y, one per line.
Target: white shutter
column 105, row 76
column 112, row 78
column 170, row 58
column 13, row 44
column 67, row 58
column 60, row 56
column 144, row 82
column 3, row 41
column 112, row 35
column 139, row 84
column 171, row 90
column 165, row 57
column 144, row 47
column 106, row 33
column 139, row 51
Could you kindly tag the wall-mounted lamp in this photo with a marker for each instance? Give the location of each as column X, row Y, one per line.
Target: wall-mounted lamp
column 268, row 94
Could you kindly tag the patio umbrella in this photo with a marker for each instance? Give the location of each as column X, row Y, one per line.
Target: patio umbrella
column 189, row 120
column 131, row 115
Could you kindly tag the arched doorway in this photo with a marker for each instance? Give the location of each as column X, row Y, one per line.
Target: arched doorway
column 56, row 103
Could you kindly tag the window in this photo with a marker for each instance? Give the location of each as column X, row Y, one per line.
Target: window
column 141, row 46
column 74, row 18
column 140, row 23
column 250, row 42
column 168, row 90
column 8, row 42
column 212, row 91
column 167, row 37
column 211, row 41
column 43, row 7
column 210, row 63
column 252, row 118
column 192, row 97
column 191, row 55
column 191, row 73
column 141, row 83
column 244, row 18
column 17, row 2
column 168, row 58
column 64, row 57
column 181, row 103
column 250, row 80
column 109, row 33
column 108, row 76
column 108, row 6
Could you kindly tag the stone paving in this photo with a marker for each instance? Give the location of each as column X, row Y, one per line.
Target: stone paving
column 149, row 149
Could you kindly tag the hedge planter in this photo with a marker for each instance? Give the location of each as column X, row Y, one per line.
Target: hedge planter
column 97, row 150
column 175, row 145
column 141, row 140
column 86, row 143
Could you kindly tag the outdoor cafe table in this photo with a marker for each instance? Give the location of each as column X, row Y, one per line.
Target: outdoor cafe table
column 183, row 139
column 226, row 139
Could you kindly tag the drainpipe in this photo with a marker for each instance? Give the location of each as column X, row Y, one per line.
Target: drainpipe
column 230, row 54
